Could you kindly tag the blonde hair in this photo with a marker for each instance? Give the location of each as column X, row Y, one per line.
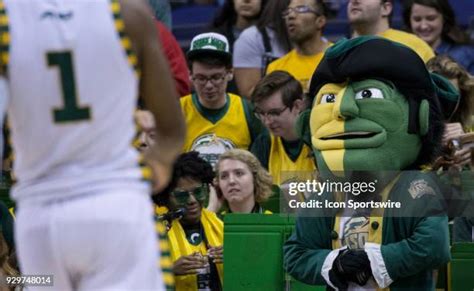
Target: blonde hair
column 448, row 68
column 262, row 180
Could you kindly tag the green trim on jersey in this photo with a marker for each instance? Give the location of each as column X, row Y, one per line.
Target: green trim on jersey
column 165, row 254
column 4, row 38
column 262, row 146
column 124, row 40
column 292, row 148
column 254, row 124
column 213, row 115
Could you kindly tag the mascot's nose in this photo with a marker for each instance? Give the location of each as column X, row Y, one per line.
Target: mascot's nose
column 346, row 106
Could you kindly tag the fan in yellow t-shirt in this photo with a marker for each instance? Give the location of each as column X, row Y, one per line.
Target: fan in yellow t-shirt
column 373, row 18
column 305, row 20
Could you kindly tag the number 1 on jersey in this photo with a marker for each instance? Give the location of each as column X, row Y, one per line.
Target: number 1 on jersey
column 71, row 111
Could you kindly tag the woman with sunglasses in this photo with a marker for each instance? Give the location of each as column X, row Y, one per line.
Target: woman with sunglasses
column 196, row 239
column 242, row 182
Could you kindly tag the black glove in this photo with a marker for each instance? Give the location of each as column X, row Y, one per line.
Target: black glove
column 337, row 280
column 353, row 265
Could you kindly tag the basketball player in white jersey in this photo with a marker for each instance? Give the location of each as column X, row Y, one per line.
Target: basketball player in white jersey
column 74, row 69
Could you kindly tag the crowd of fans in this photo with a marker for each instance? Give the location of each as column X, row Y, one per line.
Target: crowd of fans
column 249, row 76
column 243, row 86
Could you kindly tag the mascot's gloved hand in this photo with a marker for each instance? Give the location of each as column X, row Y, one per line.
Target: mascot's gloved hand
column 351, row 265
column 337, row 280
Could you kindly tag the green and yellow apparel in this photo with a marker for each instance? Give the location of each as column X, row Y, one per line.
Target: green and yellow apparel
column 184, row 242
column 165, row 263
column 410, row 40
column 212, row 132
column 301, row 67
column 287, row 161
column 371, row 114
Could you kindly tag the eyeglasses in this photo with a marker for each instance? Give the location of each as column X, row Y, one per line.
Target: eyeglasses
column 273, row 113
column 182, row 197
column 300, row 9
column 214, row 79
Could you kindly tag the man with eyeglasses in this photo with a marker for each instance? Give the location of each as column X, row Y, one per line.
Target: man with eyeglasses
column 216, row 120
column 372, row 17
column 278, row 100
column 305, row 20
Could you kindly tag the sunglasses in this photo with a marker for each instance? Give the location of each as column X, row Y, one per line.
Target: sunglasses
column 200, row 193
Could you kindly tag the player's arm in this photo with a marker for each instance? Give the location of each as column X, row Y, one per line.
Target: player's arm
column 156, row 88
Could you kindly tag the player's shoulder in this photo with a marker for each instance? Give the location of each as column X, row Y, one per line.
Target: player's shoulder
column 135, row 13
column 138, row 7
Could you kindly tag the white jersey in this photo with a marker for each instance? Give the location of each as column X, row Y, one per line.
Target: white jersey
column 73, row 91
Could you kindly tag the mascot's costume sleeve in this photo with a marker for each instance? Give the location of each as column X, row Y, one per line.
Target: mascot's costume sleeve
column 375, row 110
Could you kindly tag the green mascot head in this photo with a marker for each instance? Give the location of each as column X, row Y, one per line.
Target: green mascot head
column 374, row 108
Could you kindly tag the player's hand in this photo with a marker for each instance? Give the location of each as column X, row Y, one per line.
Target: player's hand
column 187, row 265
column 216, row 254
column 337, row 280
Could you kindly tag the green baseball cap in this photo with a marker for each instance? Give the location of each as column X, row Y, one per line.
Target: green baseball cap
column 209, row 44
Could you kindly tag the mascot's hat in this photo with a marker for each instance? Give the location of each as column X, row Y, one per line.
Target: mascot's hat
column 372, row 57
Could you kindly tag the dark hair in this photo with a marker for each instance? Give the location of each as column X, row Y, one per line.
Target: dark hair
column 451, row 31
column 213, row 61
column 321, row 4
column 276, row 23
column 227, row 16
column 188, row 165
column 291, row 89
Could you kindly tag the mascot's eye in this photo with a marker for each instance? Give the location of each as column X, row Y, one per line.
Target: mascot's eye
column 328, row 98
column 369, row 93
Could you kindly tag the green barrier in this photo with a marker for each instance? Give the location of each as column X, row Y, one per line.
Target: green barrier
column 461, row 273
column 253, row 246
column 273, row 203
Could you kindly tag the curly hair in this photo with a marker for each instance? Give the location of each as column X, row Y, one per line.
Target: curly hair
column 261, row 178
column 187, row 165
column 447, row 67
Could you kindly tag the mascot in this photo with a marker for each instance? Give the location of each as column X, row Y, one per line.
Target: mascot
column 375, row 119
